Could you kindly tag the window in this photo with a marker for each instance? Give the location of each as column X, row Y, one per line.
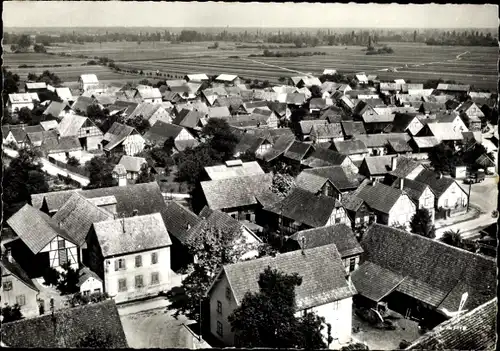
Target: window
column 445, row 202
column 352, row 264
column 120, row 264
column 98, row 290
column 86, row 292
column 155, row 278
column 358, row 220
column 367, row 219
column 139, row 281
column 219, row 328
column 21, row 300
column 154, row 258
column 248, row 217
column 122, row 285
column 138, row 261
column 7, row 286
column 60, row 244
column 228, row 293
column 87, row 131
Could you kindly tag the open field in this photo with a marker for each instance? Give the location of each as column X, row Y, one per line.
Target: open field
column 415, row 62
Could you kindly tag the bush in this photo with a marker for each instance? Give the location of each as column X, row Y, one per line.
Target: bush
column 51, row 276
column 73, row 161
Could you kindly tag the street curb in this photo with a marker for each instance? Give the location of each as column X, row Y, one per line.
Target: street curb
column 477, row 215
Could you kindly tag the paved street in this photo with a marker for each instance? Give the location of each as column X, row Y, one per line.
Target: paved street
column 484, row 196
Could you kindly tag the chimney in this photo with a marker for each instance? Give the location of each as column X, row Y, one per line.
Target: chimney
column 394, row 163
column 401, row 184
column 188, row 226
column 439, row 175
column 8, row 255
column 303, row 244
column 135, row 212
column 123, row 223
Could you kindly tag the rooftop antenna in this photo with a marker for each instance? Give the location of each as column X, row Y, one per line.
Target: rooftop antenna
column 303, row 244
column 123, row 223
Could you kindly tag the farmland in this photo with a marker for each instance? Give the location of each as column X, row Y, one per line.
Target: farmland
column 415, row 62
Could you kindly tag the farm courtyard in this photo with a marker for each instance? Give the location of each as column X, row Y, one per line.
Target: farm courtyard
column 416, row 62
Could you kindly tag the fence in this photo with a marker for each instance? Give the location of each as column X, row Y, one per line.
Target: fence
column 78, row 170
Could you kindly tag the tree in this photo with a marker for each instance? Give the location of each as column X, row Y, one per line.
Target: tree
column 11, row 313
column 100, row 173
column 32, row 76
column 24, row 115
column 443, row 158
column 316, row 91
column 212, row 248
column 145, row 175
column 39, row 48
column 139, row 123
column 453, row 238
column 220, row 137
column 24, row 176
column 95, row 340
column 267, row 318
column 421, row 223
column 78, row 298
column 49, row 78
column 355, row 347
column 69, row 279
column 282, row 184
column 24, row 43
column 10, row 82
column 51, row 276
column 73, row 161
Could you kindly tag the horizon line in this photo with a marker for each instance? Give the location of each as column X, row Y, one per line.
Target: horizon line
column 226, row 26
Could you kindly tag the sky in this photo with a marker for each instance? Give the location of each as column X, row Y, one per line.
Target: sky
column 218, row 14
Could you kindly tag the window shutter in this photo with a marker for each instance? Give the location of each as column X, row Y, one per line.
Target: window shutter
column 116, row 265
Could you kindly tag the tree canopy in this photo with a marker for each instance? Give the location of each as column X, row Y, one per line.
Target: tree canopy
column 145, row 175
column 267, row 318
column 421, row 223
column 24, row 176
column 10, row 313
column 100, row 172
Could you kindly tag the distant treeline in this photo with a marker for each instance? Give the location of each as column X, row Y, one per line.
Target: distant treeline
column 296, row 38
column 383, row 50
column 268, row 53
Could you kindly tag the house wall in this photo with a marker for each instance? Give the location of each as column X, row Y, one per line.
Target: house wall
column 427, row 200
column 363, row 216
column 133, row 144
column 184, row 135
column 377, row 151
column 152, row 100
column 263, row 148
column 220, row 293
column 160, row 114
column 415, row 126
column 339, row 315
column 329, row 190
column 10, row 297
column 112, row 276
column 347, row 263
column 91, row 285
column 272, row 122
column 402, row 211
column 10, row 139
column 452, row 197
column 338, row 215
column 358, row 157
column 53, row 249
column 87, row 86
column 347, row 163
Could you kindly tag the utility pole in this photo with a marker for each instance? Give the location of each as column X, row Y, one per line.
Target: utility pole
column 200, row 338
column 468, row 196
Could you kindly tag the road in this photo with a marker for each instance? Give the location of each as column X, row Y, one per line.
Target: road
column 484, row 196
column 457, row 58
column 269, row 65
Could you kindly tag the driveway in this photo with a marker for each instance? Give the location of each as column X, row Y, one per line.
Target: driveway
column 156, row 329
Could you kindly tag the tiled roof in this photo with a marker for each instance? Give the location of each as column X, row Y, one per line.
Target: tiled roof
column 453, row 87
column 332, row 114
column 351, row 202
column 55, row 108
column 306, row 125
column 15, row 269
column 306, row 207
column 350, row 147
column 19, row 132
column 81, row 103
column 226, row 77
column 132, row 234
column 339, row 234
column 353, row 128
column 55, row 145
column 380, row 197
column 71, row 124
column 380, row 140
column 235, row 192
column 375, row 282
column 249, row 142
column 426, row 142
column 188, row 118
column 295, row 98
column 324, row 157
column 342, row 179
column 436, row 273
column 317, row 103
column 444, row 131
column 233, row 102
column 116, row 134
column 35, row 228
column 49, row 125
column 297, row 151
column 473, row 330
column 413, row 188
column 84, row 274
column 245, row 169
column 152, row 93
column 179, row 220
column 218, row 112
column 281, row 145
column 438, row 185
column 161, row 131
column 404, row 166
column 70, row 327
column 332, row 130
column 321, row 269
column 132, row 163
column 249, row 121
column 77, row 215
column 400, row 145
